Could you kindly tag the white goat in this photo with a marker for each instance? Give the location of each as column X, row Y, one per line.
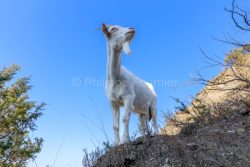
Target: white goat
column 125, row 89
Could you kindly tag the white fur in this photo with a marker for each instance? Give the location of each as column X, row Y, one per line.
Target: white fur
column 126, row 48
column 124, row 89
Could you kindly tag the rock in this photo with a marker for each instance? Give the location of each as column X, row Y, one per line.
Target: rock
column 166, row 164
column 147, row 143
column 137, row 142
column 241, row 130
column 128, row 162
column 161, row 142
column 192, row 146
column 151, row 159
column 231, row 131
column 221, row 144
column 245, row 112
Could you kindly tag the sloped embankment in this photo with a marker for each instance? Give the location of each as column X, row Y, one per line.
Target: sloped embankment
column 217, row 124
column 228, row 92
column 225, row 143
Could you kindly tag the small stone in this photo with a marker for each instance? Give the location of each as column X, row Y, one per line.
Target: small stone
column 137, row 142
column 148, row 143
column 192, row 146
column 195, row 155
column 166, row 164
column 245, row 112
column 231, row 131
column 240, row 130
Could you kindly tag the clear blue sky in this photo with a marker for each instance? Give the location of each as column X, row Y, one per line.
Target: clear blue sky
column 56, row 41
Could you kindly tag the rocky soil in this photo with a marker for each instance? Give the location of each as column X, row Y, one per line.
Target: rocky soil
column 224, row 143
column 219, row 92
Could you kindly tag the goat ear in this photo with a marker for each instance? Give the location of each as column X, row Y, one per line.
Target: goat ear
column 105, row 30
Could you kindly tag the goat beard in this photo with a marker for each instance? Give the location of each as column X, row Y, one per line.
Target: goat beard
column 126, row 48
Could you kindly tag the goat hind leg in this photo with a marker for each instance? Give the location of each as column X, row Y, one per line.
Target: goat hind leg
column 153, row 110
column 144, row 124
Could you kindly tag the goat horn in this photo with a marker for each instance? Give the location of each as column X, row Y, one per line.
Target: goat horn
column 105, row 30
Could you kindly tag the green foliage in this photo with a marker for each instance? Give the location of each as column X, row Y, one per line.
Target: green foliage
column 235, row 57
column 196, row 115
column 181, row 105
column 246, row 48
column 17, row 120
column 189, row 129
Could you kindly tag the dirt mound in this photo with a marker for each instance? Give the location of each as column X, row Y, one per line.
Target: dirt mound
column 225, row 143
column 229, row 90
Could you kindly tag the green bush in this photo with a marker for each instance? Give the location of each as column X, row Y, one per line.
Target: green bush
column 17, row 119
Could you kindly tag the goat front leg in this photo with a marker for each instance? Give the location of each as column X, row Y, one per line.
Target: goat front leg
column 116, row 120
column 128, row 106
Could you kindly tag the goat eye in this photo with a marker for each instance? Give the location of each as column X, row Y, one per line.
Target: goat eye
column 113, row 29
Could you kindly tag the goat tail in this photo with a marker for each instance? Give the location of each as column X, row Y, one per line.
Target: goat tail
column 150, row 113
